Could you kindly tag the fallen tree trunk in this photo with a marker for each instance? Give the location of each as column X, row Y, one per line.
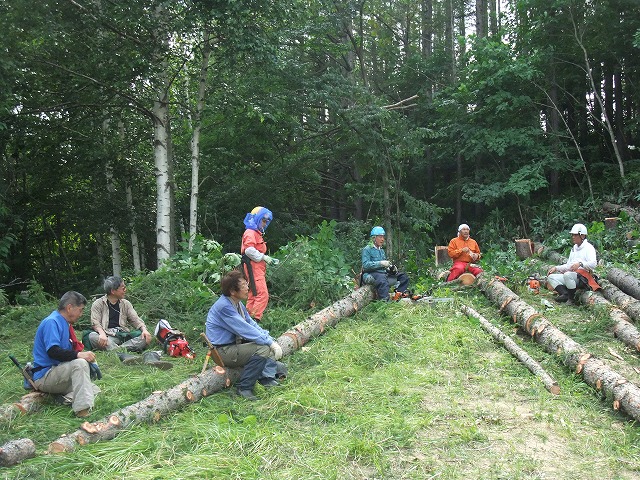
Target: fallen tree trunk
column 625, row 282
column 15, row 451
column 158, row 404
column 630, row 305
column 626, row 395
column 29, row 403
column 544, row 252
column 623, row 329
column 608, row 207
column 534, row 367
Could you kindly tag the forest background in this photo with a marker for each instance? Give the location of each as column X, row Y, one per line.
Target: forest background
column 130, row 132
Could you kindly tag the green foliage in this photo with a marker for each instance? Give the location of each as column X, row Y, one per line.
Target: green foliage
column 205, row 262
column 312, row 271
column 181, row 298
column 33, row 295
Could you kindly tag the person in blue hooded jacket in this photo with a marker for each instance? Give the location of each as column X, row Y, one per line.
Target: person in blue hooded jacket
column 376, row 268
column 255, row 260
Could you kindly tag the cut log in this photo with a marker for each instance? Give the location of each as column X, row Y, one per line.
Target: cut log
column 15, row 451
column 159, row 404
column 466, row 278
column 627, row 303
column 625, row 395
column 524, row 248
column 29, row 403
column 534, row 367
column 623, row 329
column 544, row 252
column 608, row 207
column 442, row 256
column 625, row 282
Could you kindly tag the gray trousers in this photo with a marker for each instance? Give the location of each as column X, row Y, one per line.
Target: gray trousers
column 136, row 344
column 72, row 380
column 568, row 279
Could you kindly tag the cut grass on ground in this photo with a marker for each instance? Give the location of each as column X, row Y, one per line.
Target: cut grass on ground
column 394, row 392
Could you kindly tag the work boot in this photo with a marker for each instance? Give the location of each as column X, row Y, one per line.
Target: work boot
column 563, row 294
column 269, row 382
column 247, row 394
column 571, row 293
column 153, row 358
column 129, row 359
column 83, row 413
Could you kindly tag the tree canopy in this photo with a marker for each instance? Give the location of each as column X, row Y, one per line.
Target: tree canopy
column 413, row 115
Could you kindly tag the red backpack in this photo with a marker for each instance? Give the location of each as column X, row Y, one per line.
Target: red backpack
column 174, row 342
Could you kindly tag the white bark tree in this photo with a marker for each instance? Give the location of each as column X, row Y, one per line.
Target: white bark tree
column 161, row 148
column 196, row 126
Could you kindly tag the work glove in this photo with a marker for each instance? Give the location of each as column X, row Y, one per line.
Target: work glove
column 385, row 263
column 270, row 260
column 94, row 371
column 277, row 350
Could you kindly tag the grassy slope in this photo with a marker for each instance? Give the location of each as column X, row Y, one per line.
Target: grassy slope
column 395, row 392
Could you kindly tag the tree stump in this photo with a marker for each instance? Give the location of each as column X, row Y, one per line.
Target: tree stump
column 442, row 256
column 524, row 248
column 610, row 223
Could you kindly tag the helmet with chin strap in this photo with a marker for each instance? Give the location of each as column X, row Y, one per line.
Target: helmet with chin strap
column 377, row 231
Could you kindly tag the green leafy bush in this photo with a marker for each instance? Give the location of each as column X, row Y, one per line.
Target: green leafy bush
column 313, row 271
column 205, row 262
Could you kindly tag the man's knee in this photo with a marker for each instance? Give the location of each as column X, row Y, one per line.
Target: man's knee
column 263, row 351
column 79, row 365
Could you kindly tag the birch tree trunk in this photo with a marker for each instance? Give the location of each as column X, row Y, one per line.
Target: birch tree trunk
column 135, row 249
column 161, row 149
column 195, row 139
column 116, row 257
column 163, row 184
column 135, row 246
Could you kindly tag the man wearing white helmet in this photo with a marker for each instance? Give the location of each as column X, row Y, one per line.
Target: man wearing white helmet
column 463, row 250
column 377, row 270
column 565, row 279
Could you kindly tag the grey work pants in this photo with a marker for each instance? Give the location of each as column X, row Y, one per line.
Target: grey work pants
column 72, row 380
column 137, row 344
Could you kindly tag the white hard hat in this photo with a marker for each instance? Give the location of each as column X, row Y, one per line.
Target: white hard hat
column 463, row 225
column 579, row 228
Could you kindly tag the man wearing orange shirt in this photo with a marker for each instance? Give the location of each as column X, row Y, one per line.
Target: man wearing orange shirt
column 463, row 250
